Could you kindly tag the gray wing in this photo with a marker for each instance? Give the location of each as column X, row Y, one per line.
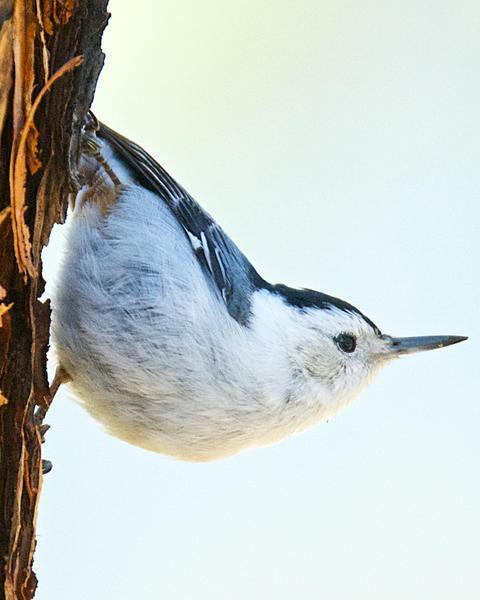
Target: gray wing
column 233, row 276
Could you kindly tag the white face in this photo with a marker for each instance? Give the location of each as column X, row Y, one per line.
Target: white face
column 340, row 350
column 324, row 357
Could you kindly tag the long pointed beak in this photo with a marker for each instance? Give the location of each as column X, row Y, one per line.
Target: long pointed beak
column 409, row 345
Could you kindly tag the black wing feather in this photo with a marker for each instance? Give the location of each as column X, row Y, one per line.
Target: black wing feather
column 233, row 275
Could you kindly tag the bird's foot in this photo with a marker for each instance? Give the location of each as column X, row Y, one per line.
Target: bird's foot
column 91, row 146
column 61, row 376
column 42, row 430
column 102, row 186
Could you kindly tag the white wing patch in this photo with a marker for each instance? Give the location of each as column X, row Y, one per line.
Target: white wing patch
column 194, row 241
column 220, row 263
column 202, row 245
column 206, row 251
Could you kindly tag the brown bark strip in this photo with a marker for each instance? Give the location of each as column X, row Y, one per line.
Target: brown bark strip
column 41, row 22
column 18, row 174
column 40, row 120
column 6, row 64
column 23, row 37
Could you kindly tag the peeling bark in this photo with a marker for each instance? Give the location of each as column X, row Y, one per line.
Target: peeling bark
column 50, row 59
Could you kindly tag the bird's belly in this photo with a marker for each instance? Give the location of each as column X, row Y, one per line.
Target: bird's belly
column 131, row 330
column 174, row 425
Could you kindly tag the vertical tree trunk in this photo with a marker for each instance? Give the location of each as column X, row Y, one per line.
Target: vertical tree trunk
column 50, row 59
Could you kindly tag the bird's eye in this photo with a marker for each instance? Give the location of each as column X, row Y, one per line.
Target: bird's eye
column 346, row 342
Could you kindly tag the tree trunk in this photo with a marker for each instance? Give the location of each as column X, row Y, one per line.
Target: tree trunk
column 50, row 59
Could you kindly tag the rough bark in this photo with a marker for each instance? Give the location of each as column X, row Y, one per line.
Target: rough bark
column 50, row 58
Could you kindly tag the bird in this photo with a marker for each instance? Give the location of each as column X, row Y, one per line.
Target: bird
column 168, row 335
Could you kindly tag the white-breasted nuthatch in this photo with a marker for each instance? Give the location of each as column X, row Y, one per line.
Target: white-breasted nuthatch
column 171, row 338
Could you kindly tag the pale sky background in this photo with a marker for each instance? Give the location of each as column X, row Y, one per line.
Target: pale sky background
column 338, row 143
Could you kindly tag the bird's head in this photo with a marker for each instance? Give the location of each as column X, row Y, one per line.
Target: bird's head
column 334, row 350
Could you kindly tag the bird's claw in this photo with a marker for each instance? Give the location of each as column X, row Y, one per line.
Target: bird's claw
column 39, row 416
column 42, row 430
column 47, row 466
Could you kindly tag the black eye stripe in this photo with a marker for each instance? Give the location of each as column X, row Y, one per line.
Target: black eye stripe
column 346, row 342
